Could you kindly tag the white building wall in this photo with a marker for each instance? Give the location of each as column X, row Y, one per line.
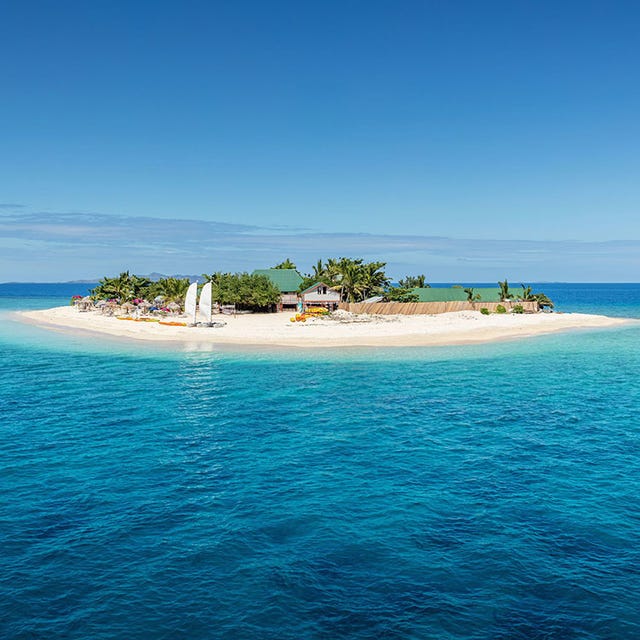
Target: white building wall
column 330, row 296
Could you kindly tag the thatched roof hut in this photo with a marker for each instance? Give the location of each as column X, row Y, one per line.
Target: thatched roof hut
column 109, row 307
column 86, row 304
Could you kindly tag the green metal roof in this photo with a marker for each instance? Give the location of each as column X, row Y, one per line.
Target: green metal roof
column 442, row 294
column 284, row 279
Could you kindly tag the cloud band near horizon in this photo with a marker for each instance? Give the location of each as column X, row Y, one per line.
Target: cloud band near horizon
column 44, row 246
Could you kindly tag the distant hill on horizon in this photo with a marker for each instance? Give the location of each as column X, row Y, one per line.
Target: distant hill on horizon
column 152, row 276
column 156, row 276
column 11, row 282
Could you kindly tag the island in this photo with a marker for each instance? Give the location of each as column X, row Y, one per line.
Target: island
column 342, row 303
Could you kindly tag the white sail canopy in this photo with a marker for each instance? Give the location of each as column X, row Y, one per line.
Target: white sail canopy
column 204, row 308
column 190, row 302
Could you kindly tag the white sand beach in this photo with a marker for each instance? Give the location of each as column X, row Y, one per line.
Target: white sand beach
column 276, row 329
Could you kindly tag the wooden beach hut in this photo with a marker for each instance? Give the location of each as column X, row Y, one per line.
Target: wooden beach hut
column 288, row 281
column 320, row 295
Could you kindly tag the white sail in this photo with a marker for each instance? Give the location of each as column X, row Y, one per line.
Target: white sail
column 204, row 308
column 190, row 303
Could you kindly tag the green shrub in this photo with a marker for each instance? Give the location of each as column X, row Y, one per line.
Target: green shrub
column 401, row 294
column 246, row 291
column 484, row 311
column 517, row 308
column 500, row 309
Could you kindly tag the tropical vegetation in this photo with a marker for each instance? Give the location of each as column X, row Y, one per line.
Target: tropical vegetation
column 244, row 290
column 542, row 299
column 404, row 291
column 471, row 295
column 355, row 279
column 401, row 294
column 287, row 264
column 505, row 294
column 169, row 289
column 125, row 287
column 414, row 282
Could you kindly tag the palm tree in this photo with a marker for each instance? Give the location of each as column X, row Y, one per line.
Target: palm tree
column 287, row 264
column 471, row 296
column 541, row 298
column 504, row 290
column 319, row 271
column 413, row 282
column 125, row 287
column 374, row 278
column 171, row 289
column 352, row 282
column 211, row 277
column 354, row 278
column 333, row 269
column 526, row 294
column 544, row 300
column 107, row 288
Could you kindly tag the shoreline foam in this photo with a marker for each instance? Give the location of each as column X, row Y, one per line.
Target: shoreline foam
column 276, row 329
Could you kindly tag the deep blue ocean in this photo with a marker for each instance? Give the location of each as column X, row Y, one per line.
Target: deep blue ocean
column 477, row 492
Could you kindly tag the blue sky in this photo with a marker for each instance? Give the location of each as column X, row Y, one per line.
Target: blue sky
column 469, row 140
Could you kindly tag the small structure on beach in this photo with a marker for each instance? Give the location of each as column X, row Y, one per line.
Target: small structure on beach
column 85, row 304
column 320, row 295
column 288, row 282
column 144, row 306
column 109, row 308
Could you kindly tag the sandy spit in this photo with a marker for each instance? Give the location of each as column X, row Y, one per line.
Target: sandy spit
column 276, row 329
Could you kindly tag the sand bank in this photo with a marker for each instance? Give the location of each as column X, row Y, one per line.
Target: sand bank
column 276, row 329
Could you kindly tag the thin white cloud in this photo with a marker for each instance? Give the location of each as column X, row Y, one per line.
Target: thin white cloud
column 91, row 244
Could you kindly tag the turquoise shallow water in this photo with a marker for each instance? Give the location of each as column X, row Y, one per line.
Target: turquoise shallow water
column 466, row 492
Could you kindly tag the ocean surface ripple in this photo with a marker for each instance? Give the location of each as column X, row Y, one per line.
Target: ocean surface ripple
column 470, row 492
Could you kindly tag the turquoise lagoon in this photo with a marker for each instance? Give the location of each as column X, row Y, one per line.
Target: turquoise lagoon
column 485, row 491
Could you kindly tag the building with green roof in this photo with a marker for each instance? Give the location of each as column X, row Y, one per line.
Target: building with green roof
column 287, row 280
column 455, row 294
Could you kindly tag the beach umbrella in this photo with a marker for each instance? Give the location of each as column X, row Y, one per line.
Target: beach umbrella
column 127, row 306
column 109, row 307
column 173, row 306
column 144, row 306
column 85, row 304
